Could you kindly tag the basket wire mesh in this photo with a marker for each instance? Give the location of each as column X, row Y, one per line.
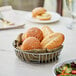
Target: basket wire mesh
column 37, row 57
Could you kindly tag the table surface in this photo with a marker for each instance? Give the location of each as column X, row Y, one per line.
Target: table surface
column 10, row 65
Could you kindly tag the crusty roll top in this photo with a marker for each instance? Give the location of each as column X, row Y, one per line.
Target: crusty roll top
column 54, row 40
column 33, row 32
column 46, row 31
column 38, row 11
column 31, row 43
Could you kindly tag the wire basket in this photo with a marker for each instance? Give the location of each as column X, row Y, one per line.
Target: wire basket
column 37, row 55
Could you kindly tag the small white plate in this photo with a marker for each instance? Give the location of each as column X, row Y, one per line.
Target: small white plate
column 18, row 20
column 55, row 17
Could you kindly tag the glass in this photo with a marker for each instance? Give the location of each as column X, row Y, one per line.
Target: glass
column 71, row 5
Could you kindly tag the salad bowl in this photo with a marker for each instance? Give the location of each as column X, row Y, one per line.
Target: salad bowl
column 66, row 68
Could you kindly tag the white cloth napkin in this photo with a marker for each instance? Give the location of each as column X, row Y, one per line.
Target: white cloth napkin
column 7, row 13
column 5, row 8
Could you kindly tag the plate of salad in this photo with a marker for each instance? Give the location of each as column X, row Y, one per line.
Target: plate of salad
column 66, row 68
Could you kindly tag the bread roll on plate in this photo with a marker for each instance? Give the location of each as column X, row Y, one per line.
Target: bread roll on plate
column 41, row 14
column 45, row 16
column 52, row 41
column 38, row 11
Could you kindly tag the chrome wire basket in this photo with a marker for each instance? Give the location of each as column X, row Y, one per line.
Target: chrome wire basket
column 37, row 55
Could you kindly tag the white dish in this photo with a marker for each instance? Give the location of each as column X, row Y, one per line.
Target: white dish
column 60, row 64
column 55, row 17
column 17, row 18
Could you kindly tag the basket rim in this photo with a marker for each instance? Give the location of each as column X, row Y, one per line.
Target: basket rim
column 37, row 53
column 51, row 50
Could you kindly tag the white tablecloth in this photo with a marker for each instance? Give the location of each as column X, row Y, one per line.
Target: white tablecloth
column 10, row 65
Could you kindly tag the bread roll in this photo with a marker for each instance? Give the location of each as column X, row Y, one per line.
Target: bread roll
column 33, row 32
column 46, row 31
column 45, row 16
column 31, row 43
column 52, row 41
column 38, row 11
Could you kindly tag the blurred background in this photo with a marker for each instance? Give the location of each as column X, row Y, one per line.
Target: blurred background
column 27, row 5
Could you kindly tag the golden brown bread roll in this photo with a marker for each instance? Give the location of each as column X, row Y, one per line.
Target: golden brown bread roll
column 33, row 32
column 52, row 41
column 46, row 31
column 41, row 14
column 31, row 43
column 45, row 16
column 38, row 11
